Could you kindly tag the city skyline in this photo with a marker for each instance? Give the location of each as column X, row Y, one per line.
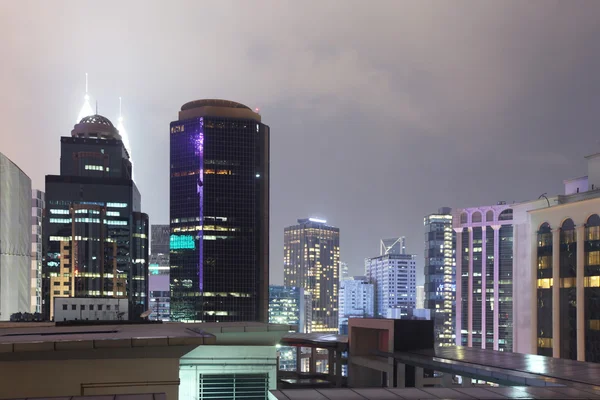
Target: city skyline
column 519, row 100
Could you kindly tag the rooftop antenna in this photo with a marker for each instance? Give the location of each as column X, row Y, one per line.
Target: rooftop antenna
column 86, row 109
column 96, row 107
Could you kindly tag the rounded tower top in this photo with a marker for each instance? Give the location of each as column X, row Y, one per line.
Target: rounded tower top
column 217, row 108
column 212, row 103
column 95, row 127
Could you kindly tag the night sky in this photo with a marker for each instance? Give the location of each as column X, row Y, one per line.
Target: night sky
column 380, row 112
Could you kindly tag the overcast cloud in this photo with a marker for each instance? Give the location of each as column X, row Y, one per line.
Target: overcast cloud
column 380, row 112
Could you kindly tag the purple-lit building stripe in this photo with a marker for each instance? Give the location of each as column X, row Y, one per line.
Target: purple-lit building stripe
column 198, row 138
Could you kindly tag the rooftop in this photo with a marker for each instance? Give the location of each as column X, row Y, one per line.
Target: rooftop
column 516, row 392
column 322, row 340
column 217, row 108
column 21, row 337
column 95, row 127
column 213, row 103
column 506, row 367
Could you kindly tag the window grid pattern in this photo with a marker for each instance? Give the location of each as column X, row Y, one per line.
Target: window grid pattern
column 544, row 291
column 218, row 196
column 592, row 294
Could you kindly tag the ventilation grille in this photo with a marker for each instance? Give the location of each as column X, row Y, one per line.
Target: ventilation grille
column 234, row 386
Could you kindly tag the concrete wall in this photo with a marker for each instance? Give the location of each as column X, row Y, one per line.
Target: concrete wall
column 50, row 378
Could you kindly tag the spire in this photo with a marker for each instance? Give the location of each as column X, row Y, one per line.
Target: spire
column 86, row 109
column 123, row 133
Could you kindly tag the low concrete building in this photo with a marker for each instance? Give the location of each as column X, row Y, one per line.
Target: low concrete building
column 90, row 309
column 184, row 361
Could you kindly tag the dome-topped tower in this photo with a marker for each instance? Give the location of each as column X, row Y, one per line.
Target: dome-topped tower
column 95, row 127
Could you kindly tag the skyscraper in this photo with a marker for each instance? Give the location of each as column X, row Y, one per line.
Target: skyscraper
column 394, row 278
column 420, row 297
column 15, row 239
column 440, row 274
column 344, row 274
column 311, row 261
column 356, row 300
column 37, row 209
column 392, row 246
column 158, row 269
column 95, row 237
column 484, row 295
column 286, row 306
column 219, row 245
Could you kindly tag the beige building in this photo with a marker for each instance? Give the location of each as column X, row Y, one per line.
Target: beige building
column 557, row 271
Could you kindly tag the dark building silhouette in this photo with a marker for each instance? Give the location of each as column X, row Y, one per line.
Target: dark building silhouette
column 95, row 237
column 219, row 244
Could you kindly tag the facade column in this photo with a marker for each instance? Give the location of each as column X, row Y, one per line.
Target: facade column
column 458, row 289
column 534, row 289
column 338, row 368
column 579, row 287
column 496, row 285
column 330, row 362
column 298, row 359
column 483, row 285
column 419, row 377
column 400, row 375
column 447, row 380
column 470, row 295
column 556, row 293
column 313, row 360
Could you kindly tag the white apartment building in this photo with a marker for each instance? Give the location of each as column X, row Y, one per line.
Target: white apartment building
column 37, row 208
column 15, row 239
column 356, row 298
column 394, row 280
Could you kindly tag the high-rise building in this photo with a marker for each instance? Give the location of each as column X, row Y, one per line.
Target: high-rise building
column 219, row 245
column 356, row 300
column 158, row 269
column 392, row 246
column 344, row 274
column 159, row 239
column 557, row 271
column 37, row 210
column 394, row 279
column 286, row 306
column 420, row 297
column 311, row 260
column 95, row 237
column 15, row 239
column 440, row 274
column 484, row 295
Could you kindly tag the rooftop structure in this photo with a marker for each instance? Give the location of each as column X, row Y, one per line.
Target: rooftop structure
column 44, row 360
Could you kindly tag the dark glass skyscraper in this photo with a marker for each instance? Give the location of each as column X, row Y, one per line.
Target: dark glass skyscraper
column 440, row 274
column 219, row 245
column 95, row 238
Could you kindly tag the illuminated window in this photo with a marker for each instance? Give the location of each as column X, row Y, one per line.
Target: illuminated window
column 595, row 324
column 593, row 258
column 544, row 283
column 544, row 262
column 591, row 281
column 567, row 283
column 545, row 343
